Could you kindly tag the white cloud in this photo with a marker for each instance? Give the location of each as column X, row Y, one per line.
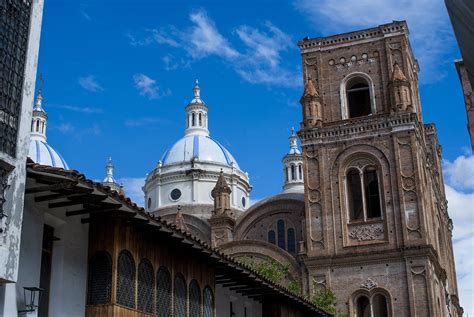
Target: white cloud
column 133, row 189
column 147, row 87
column 64, row 128
column 260, row 61
column 173, row 63
column 206, row 39
column 90, row 83
column 460, row 195
column 139, row 122
column 460, row 173
column 82, row 109
column 431, row 34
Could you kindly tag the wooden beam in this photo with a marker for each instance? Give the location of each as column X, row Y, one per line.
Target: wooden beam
column 48, row 188
column 64, row 193
column 64, row 204
column 88, row 211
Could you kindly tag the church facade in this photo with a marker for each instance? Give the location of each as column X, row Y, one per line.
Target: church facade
column 363, row 211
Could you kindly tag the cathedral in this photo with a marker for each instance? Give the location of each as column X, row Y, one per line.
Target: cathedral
column 362, row 209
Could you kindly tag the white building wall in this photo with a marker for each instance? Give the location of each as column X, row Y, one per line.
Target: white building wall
column 67, row 293
column 224, row 296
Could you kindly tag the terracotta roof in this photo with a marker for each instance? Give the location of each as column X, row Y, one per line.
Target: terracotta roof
column 241, row 269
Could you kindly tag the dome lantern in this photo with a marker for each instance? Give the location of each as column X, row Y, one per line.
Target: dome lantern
column 293, row 166
column 196, row 114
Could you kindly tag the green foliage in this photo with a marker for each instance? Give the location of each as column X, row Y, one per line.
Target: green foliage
column 269, row 268
column 295, row 287
column 326, row 300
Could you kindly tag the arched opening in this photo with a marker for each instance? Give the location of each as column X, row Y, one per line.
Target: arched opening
column 126, row 279
column 281, row 234
column 300, row 169
column 200, row 119
column 37, row 125
column 146, row 286
column 293, row 173
column 354, row 195
column 363, row 307
column 163, row 292
column 271, row 237
column 180, row 296
column 291, row 240
column 99, row 279
column 208, row 302
column 379, row 306
column 194, row 299
column 193, row 119
column 358, row 97
column 372, row 194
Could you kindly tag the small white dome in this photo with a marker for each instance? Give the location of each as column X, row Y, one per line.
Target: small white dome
column 200, row 147
column 40, row 152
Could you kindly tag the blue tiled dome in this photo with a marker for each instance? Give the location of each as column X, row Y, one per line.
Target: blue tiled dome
column 202, row 147
column 40, row 152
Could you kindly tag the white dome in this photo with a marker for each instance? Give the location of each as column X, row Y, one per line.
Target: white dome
column 40, row 152
column 200, row 147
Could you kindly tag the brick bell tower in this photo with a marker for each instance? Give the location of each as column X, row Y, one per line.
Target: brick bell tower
column 377, row 227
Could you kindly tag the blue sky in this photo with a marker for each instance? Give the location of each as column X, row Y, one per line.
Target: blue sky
column 118, row 74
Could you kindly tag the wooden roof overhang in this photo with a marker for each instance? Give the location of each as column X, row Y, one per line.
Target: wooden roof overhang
column 69, row 189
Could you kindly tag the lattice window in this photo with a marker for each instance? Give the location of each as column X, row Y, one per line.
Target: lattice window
column 291, row 240
column 194, row 299
column 163, row 292
column 180, row 296
column 14, row 30
column 208, row 302
column 100, row 279
column 271, row 237
column 281, row 234
column 146, row 286
column 126, row 279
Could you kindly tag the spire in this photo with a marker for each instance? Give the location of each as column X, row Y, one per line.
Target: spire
column 397, row 74
column 179, row 220
column 39, row 96
column 39, row 117
column 196, row 114
column 310, row 90
column 197, row 90
column 221, row 194
column 293, row 143
column 109, row 179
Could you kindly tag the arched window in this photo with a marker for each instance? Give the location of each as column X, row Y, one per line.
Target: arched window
column 37, row 125
column 200, row 119
column 291, row 240
column 363, row 307
column 163, row 292
column 194, row 299
column 375, row 305
column 271, row 237
column 286, row 172
column 126, row 279
column 180, row 296
column 379, row 306
column 363, row 193
column 300, row 169
column 281, row 234
column 194, row 120
column 358, row 97
column 99, row 279
column 293, row 173
column 146, row 286
column 208, row 302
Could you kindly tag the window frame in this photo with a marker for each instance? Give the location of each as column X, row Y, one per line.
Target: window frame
column 344, row 98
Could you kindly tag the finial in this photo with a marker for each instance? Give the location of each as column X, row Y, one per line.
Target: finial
column 309, row 89
column 39, row 97
column 197, row 90
column 179, row 220
column 109, row 168
column 398, row 74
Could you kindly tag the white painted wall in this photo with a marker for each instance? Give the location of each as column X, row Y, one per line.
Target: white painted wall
column 224, row 296
column 67, row 291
